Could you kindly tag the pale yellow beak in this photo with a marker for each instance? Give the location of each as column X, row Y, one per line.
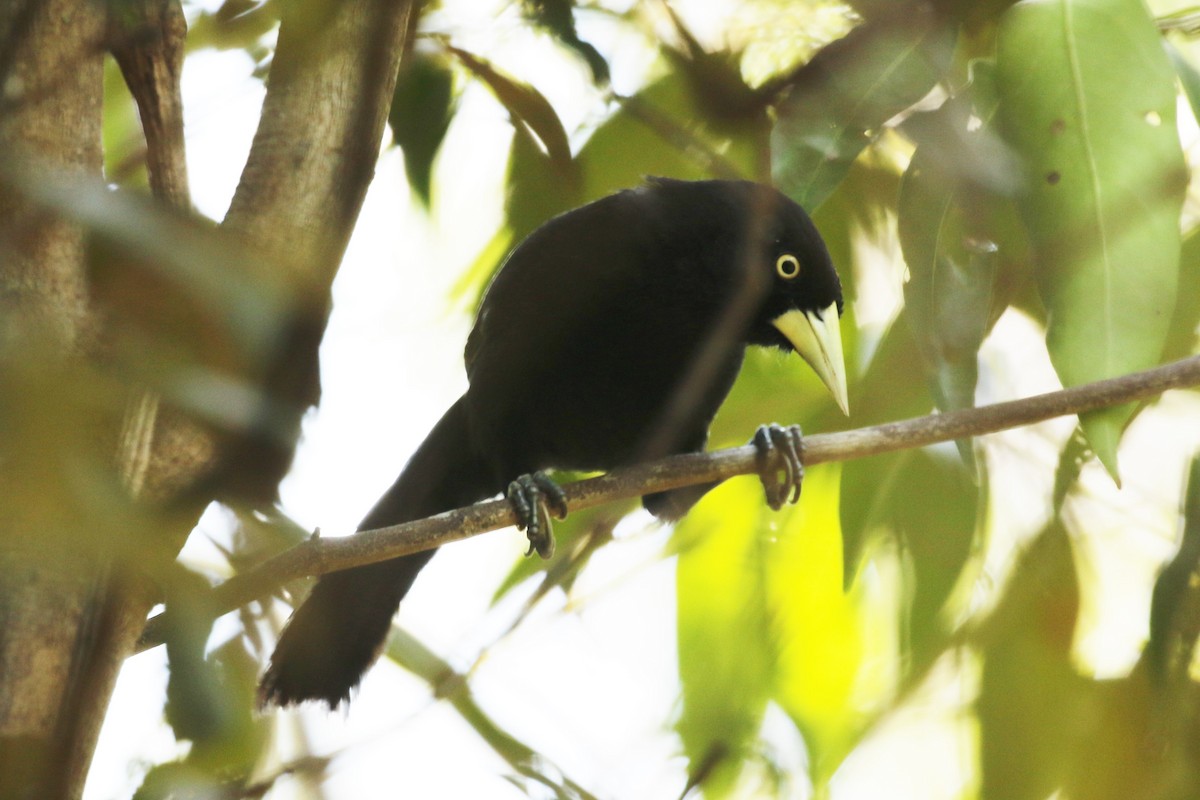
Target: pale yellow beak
column 818, row 340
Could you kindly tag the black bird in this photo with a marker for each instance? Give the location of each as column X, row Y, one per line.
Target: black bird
column 610, row 335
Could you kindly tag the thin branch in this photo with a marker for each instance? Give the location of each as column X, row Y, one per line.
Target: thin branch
column 318, row 556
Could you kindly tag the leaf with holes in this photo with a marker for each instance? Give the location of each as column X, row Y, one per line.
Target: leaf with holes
column 1104, row 183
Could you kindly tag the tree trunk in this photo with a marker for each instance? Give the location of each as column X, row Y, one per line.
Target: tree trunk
column 51, row 66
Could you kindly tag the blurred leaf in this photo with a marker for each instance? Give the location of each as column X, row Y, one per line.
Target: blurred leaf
column 928, row 502
column 473, row 280
column 1105, row 180
column 210, row 699
column 1032, row 705
column 124, row 145
column 861, row 206
column 1045, row 728
column 236, row 25
column 816, row 628
column 1182, row 338
column 244, row 733
column 526, row 104
column 195, row 708
column 1175, row 606
column 715, row 78
column 558, row 18
column 178, row 286
column 949, row 291
column 176, row 779
column 217, row 268
column 870, row 495
column 726, row 657
column 227, row 338
column 420, row 114
column 840, row 100
column 537, row 191
column 952, row 232
column 662, row 130
column 538, row 188
column 1070, row 464
column 1124, row 754
column 1189, row 77
column 976, row 9
column 888, row 390
column 656, row 132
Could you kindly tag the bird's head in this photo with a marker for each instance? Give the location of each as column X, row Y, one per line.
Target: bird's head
column 802, row 302
column 768, row 262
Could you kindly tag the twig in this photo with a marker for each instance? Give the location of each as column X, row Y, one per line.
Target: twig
column 317, row 556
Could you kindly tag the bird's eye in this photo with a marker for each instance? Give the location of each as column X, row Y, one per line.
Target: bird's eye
column 788, row 266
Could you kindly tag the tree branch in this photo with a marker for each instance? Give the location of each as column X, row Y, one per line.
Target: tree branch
column 318, row 556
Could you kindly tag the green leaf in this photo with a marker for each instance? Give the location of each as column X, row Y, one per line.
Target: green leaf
column 1181, row 336
column 821, row 634
column 839, row 101
column 716, row 81
column 726, row 656
column 959, row 242
column 209, row 697
column 886, row 392
column 236, row 25
column 662, row 130
column 936, row 537
column 124, row 143
column 525, row 103
column 538, row 187
column 1104, row 185
column 1175, row 606
column 644, row 136
column 775, row 387
column 1031, row 701
column 422, row 107
column 1189, row 77
column 948, row 293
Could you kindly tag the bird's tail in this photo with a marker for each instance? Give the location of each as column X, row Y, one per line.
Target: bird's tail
column 339, row 631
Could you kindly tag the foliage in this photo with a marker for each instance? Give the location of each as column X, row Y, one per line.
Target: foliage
column 995, row 166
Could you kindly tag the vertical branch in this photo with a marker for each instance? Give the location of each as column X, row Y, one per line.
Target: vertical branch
column 310, row 164
column 315, row 150
column 147, row 41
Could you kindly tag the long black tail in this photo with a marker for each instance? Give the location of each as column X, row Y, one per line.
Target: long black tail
column 337, row 633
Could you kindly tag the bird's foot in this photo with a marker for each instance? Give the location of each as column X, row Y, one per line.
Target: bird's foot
column 534, row 498
column 779, row 462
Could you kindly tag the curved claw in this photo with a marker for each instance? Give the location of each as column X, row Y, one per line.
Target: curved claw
column 534, row 498
column 783, row 446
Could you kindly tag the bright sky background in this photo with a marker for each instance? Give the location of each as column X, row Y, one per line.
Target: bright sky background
column 391, row 363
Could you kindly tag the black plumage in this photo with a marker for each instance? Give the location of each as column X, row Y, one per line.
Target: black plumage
column 611, row 335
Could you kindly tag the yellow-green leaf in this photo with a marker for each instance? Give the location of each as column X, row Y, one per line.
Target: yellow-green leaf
column 725, row 651
column 821, row 633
